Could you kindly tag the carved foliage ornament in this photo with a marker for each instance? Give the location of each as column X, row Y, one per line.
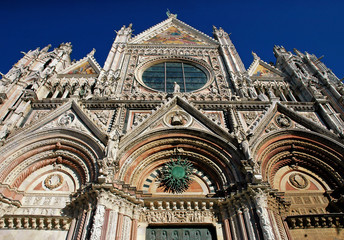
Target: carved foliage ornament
column 53, row 181
column 176, row 175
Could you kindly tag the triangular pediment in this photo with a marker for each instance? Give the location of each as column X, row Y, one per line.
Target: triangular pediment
column 173, row 32
column 263, row 71
column 68, row 116
column 173, row 115
column 280, row 117
column 88, row 66
column 173, row 35
column 85, row 69
column 260, row 69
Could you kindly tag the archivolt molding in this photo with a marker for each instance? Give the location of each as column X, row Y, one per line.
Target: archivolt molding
column 50, row 140
column 70, row 176
column 199, row 173
column 41, row 152
column 154, row 160
column 221, row 162
column 75, row 138
column 299, row 134
column 301, row 159
column 225, row 150
column 304, row 149
column 29, row 165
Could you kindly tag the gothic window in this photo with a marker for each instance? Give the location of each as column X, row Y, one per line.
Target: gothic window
column 162, row 77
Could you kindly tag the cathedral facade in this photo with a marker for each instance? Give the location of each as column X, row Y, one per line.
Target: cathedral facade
column 173, row 138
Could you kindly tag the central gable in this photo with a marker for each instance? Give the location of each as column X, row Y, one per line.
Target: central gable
column 173, row 31
column 173, row 36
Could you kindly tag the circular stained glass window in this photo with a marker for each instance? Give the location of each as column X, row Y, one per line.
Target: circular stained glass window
column 162, row 77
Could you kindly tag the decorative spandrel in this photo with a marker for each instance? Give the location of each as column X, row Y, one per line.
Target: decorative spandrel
column 176, row 175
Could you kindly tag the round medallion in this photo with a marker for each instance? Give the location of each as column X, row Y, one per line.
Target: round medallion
column 178, row 172
column 53, row 181
column 176, row 175
column 283, row 121
column 298, row 180
column 66, row 119
column 177, row 118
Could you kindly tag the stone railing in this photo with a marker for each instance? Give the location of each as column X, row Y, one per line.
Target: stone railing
column 334, row 220
column 35, row 222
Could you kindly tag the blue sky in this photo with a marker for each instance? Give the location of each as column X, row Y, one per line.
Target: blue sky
column 312, row 26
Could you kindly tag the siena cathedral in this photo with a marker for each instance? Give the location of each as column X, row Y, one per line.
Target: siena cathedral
column 173, row 138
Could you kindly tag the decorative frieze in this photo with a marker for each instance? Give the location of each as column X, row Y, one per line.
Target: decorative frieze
column 188, row 211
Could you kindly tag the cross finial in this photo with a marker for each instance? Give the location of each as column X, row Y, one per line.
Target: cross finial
column 170, row 15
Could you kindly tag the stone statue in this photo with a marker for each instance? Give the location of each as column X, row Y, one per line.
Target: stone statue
column 271, row 93
column 107, row 91
column 98, row 223
column 176, row 88
column 15, row 74
column 243, row 90
column 261, row 205
column 5, row 130
column 3, row 85
column 252, row 92
column 112, row 146
column 246, row 149
column 313, row 88
column 213, row 89
column 177, row 119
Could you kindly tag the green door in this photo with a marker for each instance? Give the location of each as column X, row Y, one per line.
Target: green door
column 159, row 233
